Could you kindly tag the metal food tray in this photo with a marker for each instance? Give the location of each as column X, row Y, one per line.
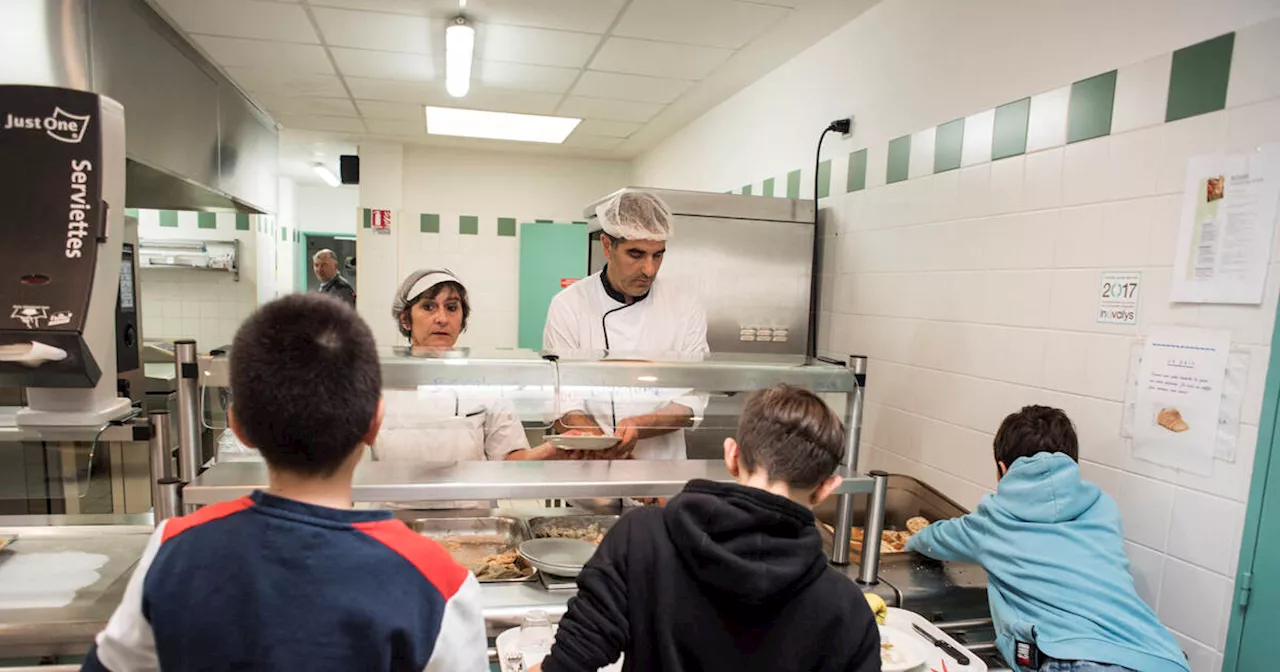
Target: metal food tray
column 508, row 534
column 538, row 526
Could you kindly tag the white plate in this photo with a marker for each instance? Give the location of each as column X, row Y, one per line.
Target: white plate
column 582, row 442
column 558, row 557
column 909, row 652
column 510, row 639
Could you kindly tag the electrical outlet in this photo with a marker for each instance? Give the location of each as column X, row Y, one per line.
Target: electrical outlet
column 848, row 134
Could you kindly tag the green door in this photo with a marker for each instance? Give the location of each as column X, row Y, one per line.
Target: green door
column 551, row 255
column 1252, row 642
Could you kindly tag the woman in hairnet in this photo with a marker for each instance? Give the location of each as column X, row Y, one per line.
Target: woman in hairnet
column 445, row 423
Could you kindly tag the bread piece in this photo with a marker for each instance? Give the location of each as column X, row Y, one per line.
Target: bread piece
column 1171, row 419
column 914, row 525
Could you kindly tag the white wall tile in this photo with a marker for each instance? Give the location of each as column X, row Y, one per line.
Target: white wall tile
column 1134, row 160
column 1008, row 184
column 877, row 164
column 1200, row 657
column 1252, row 126
column 1183, row 140
column 1147, row 568
column 1080, row 236
column 979, row 130
column 1085, row 171
column 1018, row 241
column 922, row 147
column 1043, row 181
column 1093, row 365
column 1166, row 215
column 1192, row 599
column 1204, row 530
column 974, row 194
column 1142, row 90
column 1047, row 122
column 1146, row 505
column 1253, row 64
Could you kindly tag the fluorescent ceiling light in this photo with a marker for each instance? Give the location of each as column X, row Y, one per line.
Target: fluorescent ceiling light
column 326, row 174
column 459, row 46
column 499, row 125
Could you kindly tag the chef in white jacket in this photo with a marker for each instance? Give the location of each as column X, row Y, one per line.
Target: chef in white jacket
column 626, row 308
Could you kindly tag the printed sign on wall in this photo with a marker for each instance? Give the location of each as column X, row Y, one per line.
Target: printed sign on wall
column 1118, row 297
column 380, row 221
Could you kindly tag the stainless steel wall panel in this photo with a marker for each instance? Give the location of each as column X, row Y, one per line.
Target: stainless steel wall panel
column 46, row 43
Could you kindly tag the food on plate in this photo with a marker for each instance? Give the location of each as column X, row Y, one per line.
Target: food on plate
column 914, row 525
column 1171, row 419
column 878, row 607
column 592, row 533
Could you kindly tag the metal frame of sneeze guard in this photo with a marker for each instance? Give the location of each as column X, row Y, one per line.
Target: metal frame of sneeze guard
column 379, row 482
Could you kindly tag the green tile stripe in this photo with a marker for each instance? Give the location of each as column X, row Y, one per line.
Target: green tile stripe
column 366, row 216
column 746, row 190
column 793, row 184
column 824, row 179
column 169, row 219
column 1198, row 78
column 242, row 221
column 857, row 177
column 207, row 220
column 284, row 234
column 468, row 225
column 544, row 221
column 429, row 223
column 507, row 226
column 899, row 159
column 582, row 223
column 1089, row 112
column 767, row 189
column 948, row 146
column 131, row 212
column 1009, row 138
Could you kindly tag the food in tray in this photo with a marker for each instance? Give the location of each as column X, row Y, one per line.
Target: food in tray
column 891, row 541
column 505, row 565
column 914, row 525
column 488, row 556
column 1171, row 419
column 593, row 532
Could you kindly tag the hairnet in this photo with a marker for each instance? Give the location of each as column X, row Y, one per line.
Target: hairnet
column 635, row 215
column 416, row 283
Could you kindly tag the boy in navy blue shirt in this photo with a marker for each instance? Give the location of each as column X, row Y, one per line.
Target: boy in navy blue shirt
column 1061, row 594
column 292, row 578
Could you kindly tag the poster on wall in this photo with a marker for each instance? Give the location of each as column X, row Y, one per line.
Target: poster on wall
column 1180, row 386
column 1228, row 227
column 1118, row 297
column 380, row 221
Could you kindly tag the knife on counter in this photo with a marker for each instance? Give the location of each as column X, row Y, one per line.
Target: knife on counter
column 946, row 646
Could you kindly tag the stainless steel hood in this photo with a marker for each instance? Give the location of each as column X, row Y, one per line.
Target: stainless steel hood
column 193, row 140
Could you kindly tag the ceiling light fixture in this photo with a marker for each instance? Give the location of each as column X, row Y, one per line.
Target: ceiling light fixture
column 326, row 174
column 459, row 48
column 499, row 125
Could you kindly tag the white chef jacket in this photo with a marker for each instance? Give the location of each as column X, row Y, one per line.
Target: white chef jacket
column 438, row 425
column 667, row 321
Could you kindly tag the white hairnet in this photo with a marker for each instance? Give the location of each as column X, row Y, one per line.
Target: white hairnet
column 416, row 283
column 635, row 215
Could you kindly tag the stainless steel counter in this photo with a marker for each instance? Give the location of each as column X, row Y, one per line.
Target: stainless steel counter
column 404, row 482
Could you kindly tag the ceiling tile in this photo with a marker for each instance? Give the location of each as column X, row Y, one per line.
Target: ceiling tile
column 713, row 23
column 242, row 18
column 372, row 30
column 280, row 56
column 587, row 16
column 534, row 45
column 410, row 7
column 585, row 141
column 612, row 110
column 384, row 64
column 281, row 106
column 612, row 129
column 596, row 84
column 311, row 122
column 524, row 77
column 658, row 59
column 363, row 88
column 522, row 102
column 274, row 82
column 376, row 109
column 398, row 127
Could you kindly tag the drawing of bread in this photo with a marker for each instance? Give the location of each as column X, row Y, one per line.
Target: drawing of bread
column 1171, row 419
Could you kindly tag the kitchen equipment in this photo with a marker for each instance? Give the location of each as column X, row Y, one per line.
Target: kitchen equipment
column 581, row 442
column 470, row 540
column 900, row 652
column 562, row 557
column 943, row 644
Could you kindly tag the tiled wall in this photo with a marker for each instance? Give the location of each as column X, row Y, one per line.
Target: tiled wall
column 204, row 305
column 964, row 259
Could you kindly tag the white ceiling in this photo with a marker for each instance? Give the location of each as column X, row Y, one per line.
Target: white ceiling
column 338, row 71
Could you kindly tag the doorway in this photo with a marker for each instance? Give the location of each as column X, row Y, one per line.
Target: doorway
column 343, row 246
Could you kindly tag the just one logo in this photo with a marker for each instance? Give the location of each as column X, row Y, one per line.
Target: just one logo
column 61, row 125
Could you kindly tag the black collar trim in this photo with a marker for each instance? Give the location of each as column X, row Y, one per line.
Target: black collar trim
column 615, row 294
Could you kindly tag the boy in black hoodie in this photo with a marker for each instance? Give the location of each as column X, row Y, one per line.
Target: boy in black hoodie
column 729, row 576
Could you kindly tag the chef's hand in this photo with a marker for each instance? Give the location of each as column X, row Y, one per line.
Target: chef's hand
column 535, row 668
column 629, row 431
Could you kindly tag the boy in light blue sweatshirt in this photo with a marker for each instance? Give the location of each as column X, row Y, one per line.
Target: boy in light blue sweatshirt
column 1058, row 580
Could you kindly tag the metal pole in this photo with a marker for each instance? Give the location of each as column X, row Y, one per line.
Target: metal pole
column 849, row 465
column 869, row 572
column 168, row 501
column 161, row 464
column 188, row 377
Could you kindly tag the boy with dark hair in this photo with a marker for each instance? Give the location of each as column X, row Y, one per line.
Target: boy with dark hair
column 292, row 578
column 1058, row 580
column 729, row 576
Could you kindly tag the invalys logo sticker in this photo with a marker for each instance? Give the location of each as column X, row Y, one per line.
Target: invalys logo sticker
column 61, row 125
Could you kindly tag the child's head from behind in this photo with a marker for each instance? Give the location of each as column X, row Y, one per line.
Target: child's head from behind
column 787, row 438
column 1034, row 430
column 307, row 385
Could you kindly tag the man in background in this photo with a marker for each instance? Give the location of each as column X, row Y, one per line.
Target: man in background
column 325, row 266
